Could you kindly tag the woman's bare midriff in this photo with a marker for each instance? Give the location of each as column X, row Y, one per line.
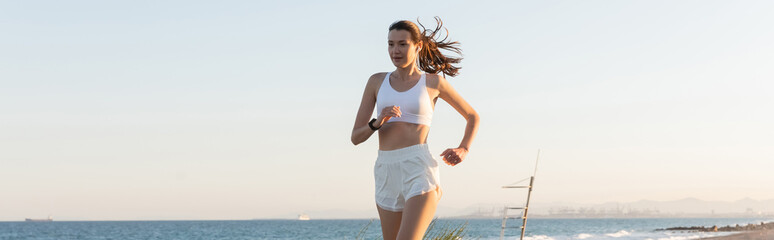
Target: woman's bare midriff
column 396, row 135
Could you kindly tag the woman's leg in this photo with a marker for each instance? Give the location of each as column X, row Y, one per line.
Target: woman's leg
column 417, row 215
column 390, row 223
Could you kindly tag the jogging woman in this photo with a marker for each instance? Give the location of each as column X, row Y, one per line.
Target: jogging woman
column 405, row 173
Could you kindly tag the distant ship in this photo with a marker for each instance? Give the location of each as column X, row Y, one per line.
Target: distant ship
column 303, row 217
column 49, row 219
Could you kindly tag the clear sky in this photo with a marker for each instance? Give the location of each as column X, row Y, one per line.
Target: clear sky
column 243, row 109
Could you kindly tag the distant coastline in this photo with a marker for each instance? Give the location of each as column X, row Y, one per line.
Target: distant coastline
column 682, row 208
column 750, row 231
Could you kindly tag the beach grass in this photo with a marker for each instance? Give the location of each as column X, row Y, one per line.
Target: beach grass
column 445, row 232
column 361, row 234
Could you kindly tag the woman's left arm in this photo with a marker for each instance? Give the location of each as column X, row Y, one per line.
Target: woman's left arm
column 453, row 156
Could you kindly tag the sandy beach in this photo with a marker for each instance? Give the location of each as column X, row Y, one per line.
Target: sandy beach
column 754, row 235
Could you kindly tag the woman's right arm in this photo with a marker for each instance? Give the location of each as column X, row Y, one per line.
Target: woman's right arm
column 361, row 132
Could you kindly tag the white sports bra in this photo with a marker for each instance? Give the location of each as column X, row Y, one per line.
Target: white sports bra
column 415, row 105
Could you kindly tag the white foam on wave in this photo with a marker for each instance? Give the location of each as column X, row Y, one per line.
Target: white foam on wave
column 699, row 236
column 583, row 236
column 538, row 237
column 618, row 234
column 680, row 237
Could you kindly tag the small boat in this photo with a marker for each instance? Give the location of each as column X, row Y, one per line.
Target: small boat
column 303, row 217
column 49, row 219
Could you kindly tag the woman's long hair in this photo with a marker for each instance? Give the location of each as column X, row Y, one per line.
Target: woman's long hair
column 430, row 57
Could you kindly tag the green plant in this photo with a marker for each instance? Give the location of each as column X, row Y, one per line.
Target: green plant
column 361, row 234
column 447, row 232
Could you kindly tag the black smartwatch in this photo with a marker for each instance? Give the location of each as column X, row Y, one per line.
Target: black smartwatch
column 370, row 124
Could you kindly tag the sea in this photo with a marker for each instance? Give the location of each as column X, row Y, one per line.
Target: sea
column 542, row 229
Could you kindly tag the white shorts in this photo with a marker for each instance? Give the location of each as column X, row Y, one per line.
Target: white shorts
column 404, row 173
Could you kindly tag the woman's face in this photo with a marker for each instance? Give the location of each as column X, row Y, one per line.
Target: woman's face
column 403, row 51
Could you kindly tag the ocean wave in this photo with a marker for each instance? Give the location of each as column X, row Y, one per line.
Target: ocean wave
column 583, row 236
column 538, row 237
column 700, row 236
column 681, row 237
column 619, row 234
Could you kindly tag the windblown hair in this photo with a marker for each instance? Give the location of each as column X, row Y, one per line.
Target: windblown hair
column 430, row 58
